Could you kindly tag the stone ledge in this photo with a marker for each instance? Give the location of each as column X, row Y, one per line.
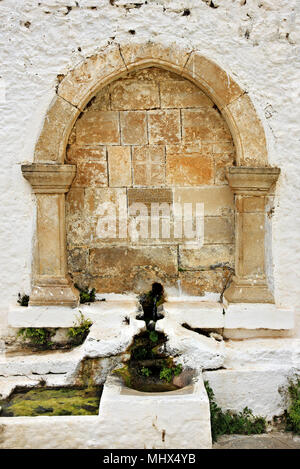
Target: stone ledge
column 62, row 316
column 258, row 316
column 196, row 313
column 191, row 310
column 262, row 353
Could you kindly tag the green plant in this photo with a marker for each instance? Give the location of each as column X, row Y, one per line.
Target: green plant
column 37, row 335
column 167, row 373
column 229, row 423
column 153, row 336
column 293, row 412
column 80, row 330
column 145, row 371
column 23, row 300
column 86, row 295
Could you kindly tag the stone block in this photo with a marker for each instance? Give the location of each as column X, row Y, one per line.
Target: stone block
column 133, row 128
column 119, row 269
column 204, row 125
column 132, row 95
column 216, row 200
column 134, row 54
column 251, row 133
column 149, row 196
column 164, row 126
column 197, row 283
column 91, row 166
column 75, row 201
column 52, row 141
column 222, row 87
column 76, row 226
column 91, row 173
column 209, row 256
column 119, row 166
column 182, row 94
column 186, row 165
column 152, row 221
column 224, row 156
column 105, row 212
column 148, row 165
column 101, row 101
column 77, row 259
column 78, row 85
column 196, row 313
column 76, row 154
column 218, row 230
column 250, row 204
column 98, row 128
column 258, row 316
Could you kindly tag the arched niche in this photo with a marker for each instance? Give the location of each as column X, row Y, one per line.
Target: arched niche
column 250, row 180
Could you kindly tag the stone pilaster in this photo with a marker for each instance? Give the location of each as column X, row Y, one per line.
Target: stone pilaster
column 250, row 187
column 50, row 282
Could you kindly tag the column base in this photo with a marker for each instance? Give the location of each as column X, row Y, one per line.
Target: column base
column 54, row 294
column 240, row 292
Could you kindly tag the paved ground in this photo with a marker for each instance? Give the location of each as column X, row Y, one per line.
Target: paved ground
column 274, row 440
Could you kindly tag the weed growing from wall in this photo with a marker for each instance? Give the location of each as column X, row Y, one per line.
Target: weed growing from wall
column 81, row 328
column 39, row 336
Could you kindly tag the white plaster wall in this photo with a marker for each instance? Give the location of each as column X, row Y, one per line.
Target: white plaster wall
column 257, row 41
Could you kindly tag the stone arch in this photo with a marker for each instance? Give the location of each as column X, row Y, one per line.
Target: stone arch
column 82, row 83
column 50, row 178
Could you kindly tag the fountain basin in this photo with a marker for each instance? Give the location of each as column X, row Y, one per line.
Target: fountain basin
column 174, row 419
column 127, row 419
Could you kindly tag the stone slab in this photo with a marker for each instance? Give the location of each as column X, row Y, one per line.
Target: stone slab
column 196, row 314
column 59, row 316
column 258, row 316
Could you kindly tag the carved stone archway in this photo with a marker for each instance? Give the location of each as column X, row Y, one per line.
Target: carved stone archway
column 50, row 178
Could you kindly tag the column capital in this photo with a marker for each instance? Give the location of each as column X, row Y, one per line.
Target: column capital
column 251, row 181
column 49, row 178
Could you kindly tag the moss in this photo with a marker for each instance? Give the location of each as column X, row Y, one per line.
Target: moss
column 88, row 372
column 50, row 401
column 229, row 423
column 124, row 372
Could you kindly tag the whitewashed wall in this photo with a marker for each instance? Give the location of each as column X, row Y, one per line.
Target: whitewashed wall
column 257, row 41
